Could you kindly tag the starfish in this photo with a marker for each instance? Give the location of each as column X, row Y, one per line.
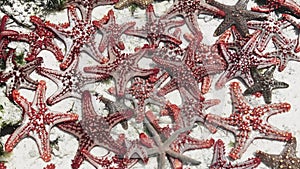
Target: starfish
column 272, row 5
column 50, row 166
column 247, row 123
column 111, row 32
column 285, row 51
column 70, row 82
column 240, row 61
column 264, row 83
column 125, row 3
column 286, row 159
column 219, row 160
column 39, row 39
column 124, row 68
column 18, row 76
column 78, row 35
column 270, row 28
column 4, row 34
column 236, row 15
column 156, row 29
column 37, row 121
column 162, row 147
column 99, row 127
column 189, row 10
column 183, row 143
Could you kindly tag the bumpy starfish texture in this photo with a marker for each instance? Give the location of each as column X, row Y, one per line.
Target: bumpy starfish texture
column 70, row 82
column 236, row 15
column 285, row 51
column 219, row 160
column 286, row 159
column 122, row 69
column 125, row 3
column 143, row 91
column 247, row 123
column 41, row 38
column 85, row 141
column 99, row 127
column 272, row 5
column 189, row 10
column 37, row 121
column 241, row 60
column 78, row 35
column 111, row 32
column 265, row 83
column 269, row 28
column 18, row 76
column 156, row 29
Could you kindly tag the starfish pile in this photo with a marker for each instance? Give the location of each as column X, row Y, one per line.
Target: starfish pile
column 250, row 46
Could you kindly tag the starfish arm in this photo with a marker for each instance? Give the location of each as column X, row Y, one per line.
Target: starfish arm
column 54, row 75
column 169, row 87
column 290, row 148
column 52, row 47
column 255, row 15
column 241, row 144
column 250, row 163
column 214, row 121
column 241, row 26
column 253, row 89
column 267, row 159
column 226, row 76
column 42, row 140
column 218, row 156
column 55, row 118
column 117, row 117
column 217, row 4
column 137, row 32
column 87, row 106
column 21, row 101
column 183, row 158
column 17, row 135
column 225, row 25
column 280, row 85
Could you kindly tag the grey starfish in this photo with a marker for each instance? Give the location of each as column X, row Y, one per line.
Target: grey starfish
column 287, row 158
column 264, row 83
column 236, row 15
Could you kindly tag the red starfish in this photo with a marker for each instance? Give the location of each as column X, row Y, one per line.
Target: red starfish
column 50, row 166
column 111, row 32
column 39, row 39
column 240, row 61
column 248, row 124
column 156, row 29
column 85, row 141
column 123, row 69
column 295, row 22
column 189, row 10
column 70, row 82
column 18, row 76
column 78, row 35
column 269, row 28
column 285, row 51
column 275, row 4
column 219, row 160
column 37, row 121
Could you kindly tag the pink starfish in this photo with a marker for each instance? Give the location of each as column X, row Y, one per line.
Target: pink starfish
column 189, row 10
column 219, row 160
column 111, row 32
column 78, row 35
column 269, row 28
column 156, row 29
column 124, row 68
column 18, row 76
column 247, row 123
column 39, row 39
column 37, row 121
column 241, row 60
column 70, row 82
